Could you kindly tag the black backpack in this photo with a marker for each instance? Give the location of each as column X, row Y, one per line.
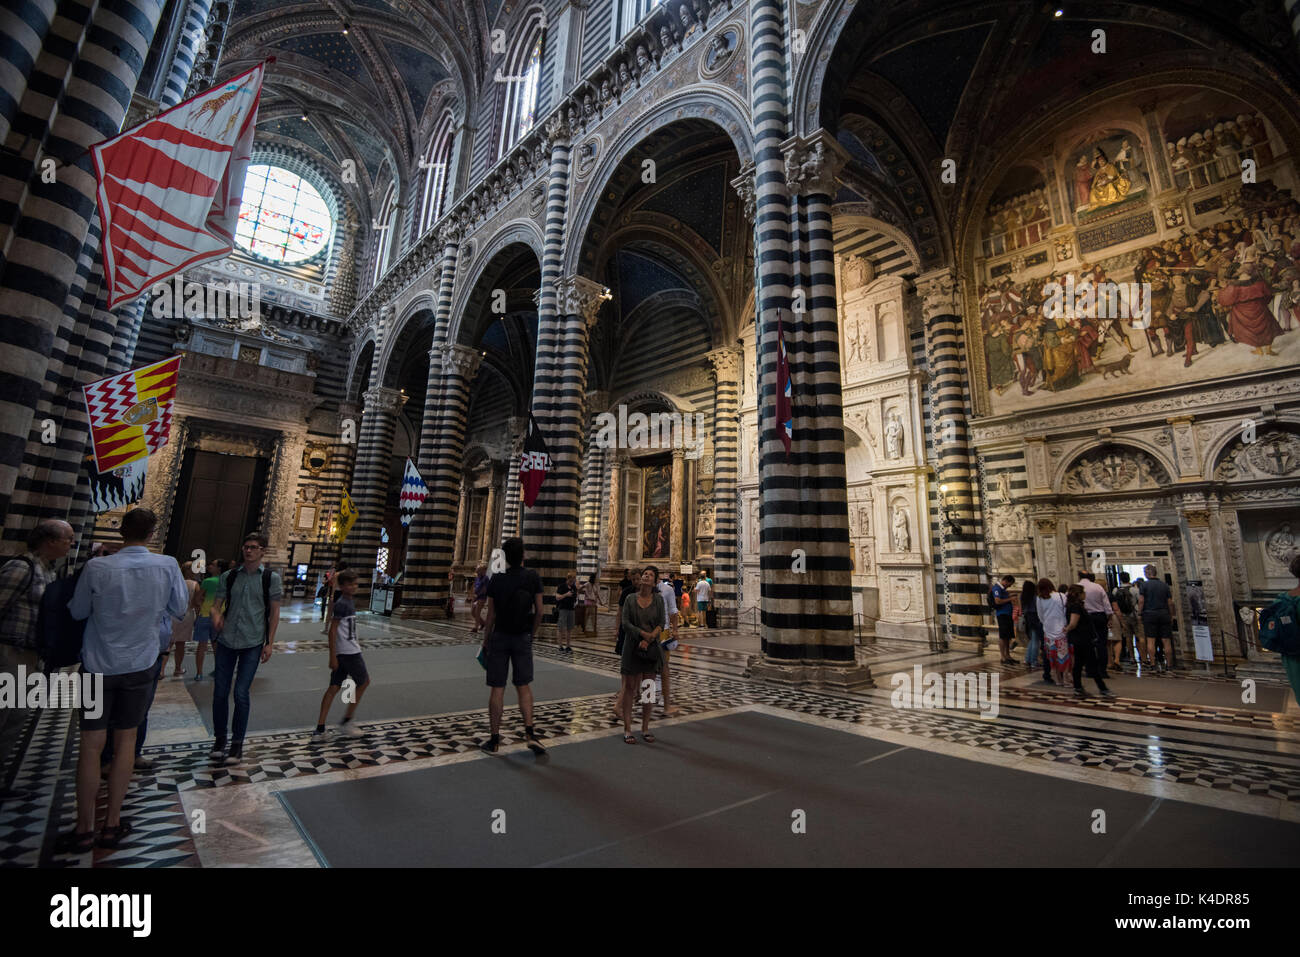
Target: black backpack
column 58, row 634
column 1123, row 599
column 266, row 594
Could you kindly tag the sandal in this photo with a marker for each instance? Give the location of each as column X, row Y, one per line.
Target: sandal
column 113, row 836
column 75, row 842
column 629, row 739
column 648, row 737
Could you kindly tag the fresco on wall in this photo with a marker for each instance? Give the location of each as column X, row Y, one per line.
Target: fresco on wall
column 1127, row 294
column 658, row 496
column 1107, row 171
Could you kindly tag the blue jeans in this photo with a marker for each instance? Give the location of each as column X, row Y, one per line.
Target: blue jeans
column 241, row 666
column 1035, row 634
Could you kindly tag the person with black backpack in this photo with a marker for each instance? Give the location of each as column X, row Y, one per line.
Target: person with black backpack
column 23, row 581
column 514, row 612
column 1125, row 608
column 245, row 615
column 124, row 597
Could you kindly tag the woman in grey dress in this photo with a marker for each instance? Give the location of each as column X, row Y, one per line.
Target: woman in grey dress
column 643, row 620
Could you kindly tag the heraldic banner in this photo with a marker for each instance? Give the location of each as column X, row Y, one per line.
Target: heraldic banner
column 131, row 413
column 170, row 189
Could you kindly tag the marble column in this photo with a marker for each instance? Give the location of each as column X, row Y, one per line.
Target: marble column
column 462, row 525
column 518, row 427
column 961, row 551
column 559, row 388
column 442, row 449
column 284, row 482
column 593, row 487
column 807, row 598
column 370, row 482
column 614, row 528
column 726, row 467
column 677, row 508
column 490, row 540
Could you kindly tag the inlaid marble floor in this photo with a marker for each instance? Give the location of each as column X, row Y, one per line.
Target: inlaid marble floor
column 1162, row 737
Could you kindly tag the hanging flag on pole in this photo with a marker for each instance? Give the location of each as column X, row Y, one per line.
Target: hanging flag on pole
column 347, row 517
column 170, row 188
column 784, row 394
column 534, row 463
column 414, row 492
column 131, row 413
column 116, row 489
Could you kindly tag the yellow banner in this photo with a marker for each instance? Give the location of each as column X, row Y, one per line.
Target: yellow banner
column 347, row 517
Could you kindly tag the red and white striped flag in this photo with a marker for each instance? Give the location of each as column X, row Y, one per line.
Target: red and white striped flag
column 170, row 188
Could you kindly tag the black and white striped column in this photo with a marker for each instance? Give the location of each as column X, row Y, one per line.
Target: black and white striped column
column 23, row 25
column 559, row 390
column 370, row 479
column 517, row 428
column 807, row 621
column 963, row 561
column 593, row 473
column 726, row 465
column 432, row 542
column 101, row 61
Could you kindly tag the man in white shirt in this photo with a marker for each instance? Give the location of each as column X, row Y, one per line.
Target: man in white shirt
column 1097, row 604
column 703, row 592
column 124, row 596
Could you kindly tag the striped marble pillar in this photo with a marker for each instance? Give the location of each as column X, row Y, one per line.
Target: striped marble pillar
column 517, row 427
column 431, row 546
column 726, row 546
column 963, row 562
column 24, row 25
column 98, row 51
column 593, row 472
column 559, row 390
column 370, row 482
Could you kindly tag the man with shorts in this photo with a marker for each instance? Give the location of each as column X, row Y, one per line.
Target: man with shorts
column 514, row 612
column 124, row 596
column 1125, row 609
column 1153, row 607
column 345, row 657
column 703, row 592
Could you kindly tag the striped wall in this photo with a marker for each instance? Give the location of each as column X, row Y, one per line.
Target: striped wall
column 101, row 59
column 596, row 32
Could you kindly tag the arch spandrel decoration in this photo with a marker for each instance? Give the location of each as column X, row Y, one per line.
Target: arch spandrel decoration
column 1112, row 468
column 717, row 107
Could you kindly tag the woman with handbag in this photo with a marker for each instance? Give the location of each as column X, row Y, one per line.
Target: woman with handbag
column 643, row 622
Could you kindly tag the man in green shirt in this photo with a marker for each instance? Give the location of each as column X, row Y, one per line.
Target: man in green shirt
column 245, row 615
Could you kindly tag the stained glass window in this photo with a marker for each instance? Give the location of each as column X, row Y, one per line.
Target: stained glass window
column 283, row 218
column 528, row 95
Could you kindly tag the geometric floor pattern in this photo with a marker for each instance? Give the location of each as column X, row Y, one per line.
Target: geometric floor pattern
column 162, row 834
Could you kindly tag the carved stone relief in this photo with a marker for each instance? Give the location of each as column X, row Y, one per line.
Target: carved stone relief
column 1114, row 470
column 1270, row 456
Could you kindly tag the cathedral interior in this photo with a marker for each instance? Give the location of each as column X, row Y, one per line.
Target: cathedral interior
column 471, row 225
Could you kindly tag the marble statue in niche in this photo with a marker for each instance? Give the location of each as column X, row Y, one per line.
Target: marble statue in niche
column 720, row 48
column 690, row 26
column 1003, row 482
column 902, row 540
column 1280, row 544
column 855, row 341
column 894, row 436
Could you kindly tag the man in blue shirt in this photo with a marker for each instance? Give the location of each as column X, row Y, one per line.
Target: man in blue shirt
column 1002, row 611
column 246, row 617
column 124, row 596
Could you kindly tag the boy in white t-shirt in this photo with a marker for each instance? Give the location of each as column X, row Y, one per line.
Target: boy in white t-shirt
column 345, row 656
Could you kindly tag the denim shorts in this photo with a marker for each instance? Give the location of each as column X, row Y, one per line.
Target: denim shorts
column 202, row 630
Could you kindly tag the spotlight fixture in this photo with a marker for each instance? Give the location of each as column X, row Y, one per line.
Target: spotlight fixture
column 345, row 28
column 304, row 117
column 1058, row 13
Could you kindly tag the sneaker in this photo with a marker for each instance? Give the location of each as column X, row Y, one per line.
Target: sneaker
column 218, row 749
column 143, row 764
column 318, row 736
column 1109, row 694
column 350, row 730
column 492, row 745
column 236, row 754
column 534, row 745
column 1080, row 693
